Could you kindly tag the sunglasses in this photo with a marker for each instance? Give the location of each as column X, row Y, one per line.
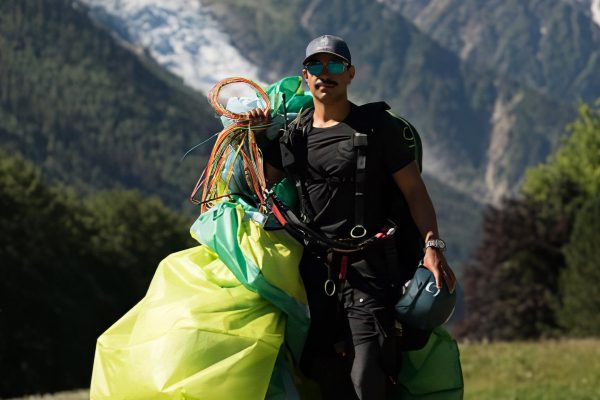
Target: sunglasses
column 335, row 67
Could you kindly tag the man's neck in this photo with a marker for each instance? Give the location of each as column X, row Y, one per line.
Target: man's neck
column 327, row 115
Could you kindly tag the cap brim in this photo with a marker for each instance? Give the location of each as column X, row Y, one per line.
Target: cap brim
column 325, row 52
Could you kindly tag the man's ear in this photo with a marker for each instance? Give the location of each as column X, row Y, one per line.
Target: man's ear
column 304, row 74
column 352, row 71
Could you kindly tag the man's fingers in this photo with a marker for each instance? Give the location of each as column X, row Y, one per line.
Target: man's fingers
column 450, row 278
column 438, row 280
column 257, row 115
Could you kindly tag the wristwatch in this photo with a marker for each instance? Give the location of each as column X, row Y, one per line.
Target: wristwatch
column 436, row 244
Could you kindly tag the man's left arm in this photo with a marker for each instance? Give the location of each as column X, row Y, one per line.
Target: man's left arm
column 421, row 208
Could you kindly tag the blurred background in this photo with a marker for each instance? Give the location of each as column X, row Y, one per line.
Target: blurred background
column 100, row 99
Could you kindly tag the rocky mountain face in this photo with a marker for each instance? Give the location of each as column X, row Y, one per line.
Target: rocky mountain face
column 552, row 47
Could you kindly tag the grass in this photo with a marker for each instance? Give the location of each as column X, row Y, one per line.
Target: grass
column 70, row 395
column 546, row 370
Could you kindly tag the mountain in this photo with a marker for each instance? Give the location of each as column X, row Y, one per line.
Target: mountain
column 477, row 124
column 591, row 8
column 164, row 31
column 90, row 112
column 480, row 129
column 481, row 126
column 180, row 35
column 552, row 47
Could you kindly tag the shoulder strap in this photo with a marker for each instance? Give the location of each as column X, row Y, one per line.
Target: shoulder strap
column 370, row 114
column 293, row 157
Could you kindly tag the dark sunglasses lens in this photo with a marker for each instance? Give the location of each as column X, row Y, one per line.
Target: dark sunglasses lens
column 315, row 69
column 335, row 67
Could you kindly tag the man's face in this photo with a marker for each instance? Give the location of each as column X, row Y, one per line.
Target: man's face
column 328, row 87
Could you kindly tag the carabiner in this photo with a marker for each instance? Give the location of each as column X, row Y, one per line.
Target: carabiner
column 358, row 232
column 329, row 287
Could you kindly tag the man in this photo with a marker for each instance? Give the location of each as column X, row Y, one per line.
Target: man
column 353, row 330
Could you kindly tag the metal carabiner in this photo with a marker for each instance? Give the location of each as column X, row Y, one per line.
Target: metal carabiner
column 329, row 284
column 358, row 232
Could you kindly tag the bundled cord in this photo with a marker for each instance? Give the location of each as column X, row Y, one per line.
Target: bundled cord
column 235, row 165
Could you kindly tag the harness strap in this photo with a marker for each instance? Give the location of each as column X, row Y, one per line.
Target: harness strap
column 360, row 142
column 305, row 233
column 292, row 143
column 330, row 180
column 343, row 267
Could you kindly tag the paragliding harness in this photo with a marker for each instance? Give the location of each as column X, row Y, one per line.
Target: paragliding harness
column 293, row 153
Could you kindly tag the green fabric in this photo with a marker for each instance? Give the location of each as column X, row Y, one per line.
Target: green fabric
column 433, row 372
column 286, row 192
column 296, row 98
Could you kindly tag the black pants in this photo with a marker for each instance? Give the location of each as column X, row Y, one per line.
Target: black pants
column 350, row 350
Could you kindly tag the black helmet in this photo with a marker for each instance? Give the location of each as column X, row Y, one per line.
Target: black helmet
column 423, row 305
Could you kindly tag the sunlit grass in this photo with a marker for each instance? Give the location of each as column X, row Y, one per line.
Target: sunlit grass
column 70, row 395
column 548, row 370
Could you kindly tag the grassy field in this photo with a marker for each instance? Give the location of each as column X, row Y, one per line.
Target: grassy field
column 550, row 370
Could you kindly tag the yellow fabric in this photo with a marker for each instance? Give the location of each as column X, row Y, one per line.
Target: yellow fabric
column 198, row 334
column 277, row 255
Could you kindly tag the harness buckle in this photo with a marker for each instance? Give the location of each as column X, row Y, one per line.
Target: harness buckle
column 360, row 140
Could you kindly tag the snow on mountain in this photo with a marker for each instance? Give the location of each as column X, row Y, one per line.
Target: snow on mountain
column 591, row 8
column 180, row 35
column 595, row 6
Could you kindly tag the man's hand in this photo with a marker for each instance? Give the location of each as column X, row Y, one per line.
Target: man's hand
column 435, row 261
column 258, row 116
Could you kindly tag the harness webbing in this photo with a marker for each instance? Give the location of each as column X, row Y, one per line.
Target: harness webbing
column 305, row 233
column 360, row 142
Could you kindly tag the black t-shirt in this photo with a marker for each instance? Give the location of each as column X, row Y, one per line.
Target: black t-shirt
column 331, row 165
column 329, row 179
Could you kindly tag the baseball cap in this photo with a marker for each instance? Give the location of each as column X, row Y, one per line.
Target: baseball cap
column 328, row 44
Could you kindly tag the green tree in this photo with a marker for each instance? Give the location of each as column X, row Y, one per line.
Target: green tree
column 48, row 300
column 580, row 311
column 70, row 268
column 134, row 233
column 521, row 284
column 572, row 173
